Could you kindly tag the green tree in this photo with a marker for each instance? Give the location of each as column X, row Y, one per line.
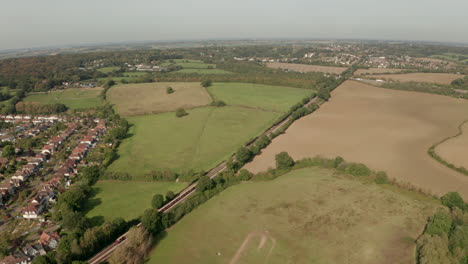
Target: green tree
column 324, row 94
column 206, row 83
column 439, row 224
column 8, row 151
column 170, row 195
column 181, row 112
column 204, row 183
column 453, row 199
column 157, row 201
column 169, row 90
column 152, row 221
column 243, row 155
column 284, row 161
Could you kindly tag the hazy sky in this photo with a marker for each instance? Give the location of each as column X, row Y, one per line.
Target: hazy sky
column 33, row 23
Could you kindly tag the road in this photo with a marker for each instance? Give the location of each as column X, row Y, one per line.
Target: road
column 182, row 196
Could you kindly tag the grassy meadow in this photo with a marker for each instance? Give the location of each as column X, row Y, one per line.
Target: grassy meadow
column 151, row 98
column 201, row 71
column 74, row 98
column 310, row 215
column 268, row 97
column 201, row 140
column 125, row 199
column 108, row 69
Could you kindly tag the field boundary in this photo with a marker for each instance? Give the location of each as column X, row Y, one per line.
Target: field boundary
column 431, row 151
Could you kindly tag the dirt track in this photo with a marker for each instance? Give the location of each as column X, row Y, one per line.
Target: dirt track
column 386, row 129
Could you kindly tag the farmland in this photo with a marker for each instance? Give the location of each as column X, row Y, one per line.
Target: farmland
column 74, row 98
column 274, row 98
column 439, row 78
column 198, row 141
column 150, row 98
column 125, row 199
column 454, row 150
column 387, row 129
column 306, row 68
column 294, row 220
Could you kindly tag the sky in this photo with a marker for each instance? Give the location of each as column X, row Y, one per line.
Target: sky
column 33, row 23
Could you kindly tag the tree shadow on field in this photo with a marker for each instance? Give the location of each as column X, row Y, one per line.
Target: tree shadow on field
column 156, row 241
column 92, row 202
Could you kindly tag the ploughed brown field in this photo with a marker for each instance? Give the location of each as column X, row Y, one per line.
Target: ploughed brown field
column 455, row 150
column 378, row 71
column 440, row 78
column 306, row 68
column 386, row 129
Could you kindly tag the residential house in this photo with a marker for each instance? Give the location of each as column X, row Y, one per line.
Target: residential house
column 32, row 211
column 14, row 260
column 49, row 239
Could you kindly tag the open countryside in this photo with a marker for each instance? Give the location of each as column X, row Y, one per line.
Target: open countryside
column 385, row 129
column 198, row 141
column 150, row 98
column 307, row 216
column 74, row 98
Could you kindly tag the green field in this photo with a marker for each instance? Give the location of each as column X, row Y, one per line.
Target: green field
column 108, row 69
column 125, row 199
column 307, row 216
column 268, row 97
column 202, row 71
column 151, row 98
column 201, row 140
column 452, row 57
column 74, row 98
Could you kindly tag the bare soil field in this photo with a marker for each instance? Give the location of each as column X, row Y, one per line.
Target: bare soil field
column 306, row 68
column 151, row 98
column 440, row 78
column 378, row 71
column 386, row 129
column 455, row 150
column 307, row 216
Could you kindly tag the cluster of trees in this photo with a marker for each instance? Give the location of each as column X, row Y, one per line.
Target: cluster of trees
column 445, row 238
column 34, row 108
column 218, row 103
column 426, row 88
column 461, row 83
column 138, row 243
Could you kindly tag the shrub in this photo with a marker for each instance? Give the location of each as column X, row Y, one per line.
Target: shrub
column 181, row 112
column 381, row 177
column 206, row 83
column 338, row 161
column 218, row 103
column 204, row 184
column 453, row 199
column 169, row 90
column 358, row 169
column 284, row 161
column 439, row 224
column 243, row 155
column 245, row 175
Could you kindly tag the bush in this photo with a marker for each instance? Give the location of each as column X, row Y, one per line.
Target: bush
column 381, row 177
column 358, row 169
column 169, row 90
column 204, row 184
column 243, row 155
column 245, row 175
column 181, row 112
column 439, row 224
column 284, row 161
column 218, row 103
column 206, row 83
column 453, row 199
